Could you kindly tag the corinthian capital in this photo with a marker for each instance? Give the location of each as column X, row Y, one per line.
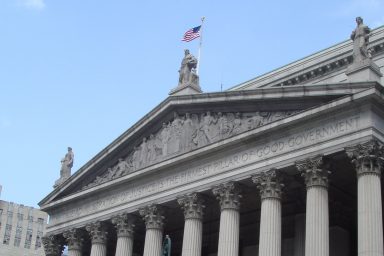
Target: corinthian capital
column 124, row 224
column 269, row 184
column 98, row 232
column 53, row 245
column 228, row 195
column 192, row 204
column 367, row 157
column 314, row 171
column 75, row 238
column 153, row 216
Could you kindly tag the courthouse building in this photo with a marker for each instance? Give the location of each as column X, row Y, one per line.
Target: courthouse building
column 288, row 163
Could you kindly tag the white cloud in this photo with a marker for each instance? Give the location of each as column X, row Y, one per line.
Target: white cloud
column 32, row 4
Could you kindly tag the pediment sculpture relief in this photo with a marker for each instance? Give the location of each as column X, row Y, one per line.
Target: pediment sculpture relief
column 185, row 133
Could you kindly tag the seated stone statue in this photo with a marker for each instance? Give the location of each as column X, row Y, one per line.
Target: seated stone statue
column 187, row 69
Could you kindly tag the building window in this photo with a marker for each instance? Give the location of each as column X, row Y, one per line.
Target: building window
column 28, row 236
column 40, row 223
column 7, row 235
column 28, row 239
column 19, row 228
column 8, row 227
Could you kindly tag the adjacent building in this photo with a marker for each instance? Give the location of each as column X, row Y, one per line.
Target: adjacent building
column 286, row 164
column 21, row 230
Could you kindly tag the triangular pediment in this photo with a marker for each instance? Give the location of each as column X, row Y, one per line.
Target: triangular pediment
column 183, row 124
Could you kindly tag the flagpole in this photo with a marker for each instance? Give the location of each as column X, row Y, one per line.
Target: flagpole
column 201, row 41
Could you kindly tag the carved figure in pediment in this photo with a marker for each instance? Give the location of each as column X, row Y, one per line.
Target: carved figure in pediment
column 165, row 136
column 224, row 126
column 207, row 126
column 254, row 121
column 97, row 181
column 136, row 158
column 187, row 131
column 143, row 152
column 109, row 175
column 152, row 148
column 121, row 168
column 174, row 140
column 237, row 126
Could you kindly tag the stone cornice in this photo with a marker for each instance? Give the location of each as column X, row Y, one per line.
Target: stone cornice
column 153, row 216
column 368, row 157
column 313, row 171
column 192, row 205
column 269, row 183
column 228, row 195
column 317, row 65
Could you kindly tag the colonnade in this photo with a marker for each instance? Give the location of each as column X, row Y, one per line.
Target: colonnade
column 368, row 162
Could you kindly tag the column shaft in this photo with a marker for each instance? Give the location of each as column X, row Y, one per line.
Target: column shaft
column 229, row 196
column 317, row 222
column 229, row 233
column 98, row 249
column 270, row 228
column 153, row 217
column 153, row 242
column 368, row 159
column 370, row 224
column 124, row 246
column 315, row 174
column 192, row 239
column 74, row 252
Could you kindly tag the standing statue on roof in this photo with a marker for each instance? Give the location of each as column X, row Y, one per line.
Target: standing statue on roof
column 66, row 165
column 360, row 37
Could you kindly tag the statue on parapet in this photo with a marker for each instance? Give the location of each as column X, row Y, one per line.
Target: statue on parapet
column 66, row 165
column 360, row 37
column 187, row 72
column 188, row 77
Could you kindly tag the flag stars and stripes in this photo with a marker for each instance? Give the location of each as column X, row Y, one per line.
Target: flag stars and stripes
column 191, row 34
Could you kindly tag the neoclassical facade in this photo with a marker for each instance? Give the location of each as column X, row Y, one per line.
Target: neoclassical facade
column 286, row 164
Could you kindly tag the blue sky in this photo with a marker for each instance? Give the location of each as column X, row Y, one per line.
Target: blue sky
column 80, row 73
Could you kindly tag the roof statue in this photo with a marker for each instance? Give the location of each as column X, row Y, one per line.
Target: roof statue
column 188, row 78
column 360, row 37
column 362, row 68
column 66, row 165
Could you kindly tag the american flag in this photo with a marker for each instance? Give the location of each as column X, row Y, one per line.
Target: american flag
column 191, row 34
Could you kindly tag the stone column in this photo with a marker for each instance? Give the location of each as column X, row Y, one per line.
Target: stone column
column 229, row 196
column 317, row 212
column 53, row 245
column 124, row 227
column 270, row 186
column 154, row 222
column 368, row 159
column 98, row 234
column 75, row 238
column 192, row 204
